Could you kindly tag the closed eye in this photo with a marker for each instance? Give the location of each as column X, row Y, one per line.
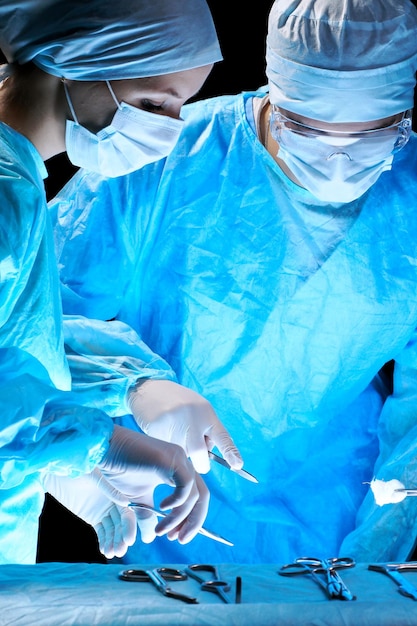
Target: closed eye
column 147, row 105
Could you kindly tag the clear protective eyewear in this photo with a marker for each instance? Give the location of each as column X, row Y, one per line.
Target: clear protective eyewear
column 400, row 131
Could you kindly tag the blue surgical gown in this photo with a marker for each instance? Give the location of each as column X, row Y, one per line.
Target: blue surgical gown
column 41, row 426
column 282, row 311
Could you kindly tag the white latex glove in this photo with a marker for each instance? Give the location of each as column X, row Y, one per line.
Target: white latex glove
column 115, row 525
column 166, row 410
column 135, row 464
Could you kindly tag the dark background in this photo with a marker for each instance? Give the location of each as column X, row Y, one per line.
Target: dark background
column 62, row 536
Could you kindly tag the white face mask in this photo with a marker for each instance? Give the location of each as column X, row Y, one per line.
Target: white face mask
column 133, row 138
column 335, row 169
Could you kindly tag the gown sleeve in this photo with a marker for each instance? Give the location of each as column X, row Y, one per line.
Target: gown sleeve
column 106, row 359
column 99, row 232
column 391, row 529
column 43, row 427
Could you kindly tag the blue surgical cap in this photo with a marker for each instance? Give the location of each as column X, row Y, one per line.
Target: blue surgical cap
column 108, row 39
column 342, row 61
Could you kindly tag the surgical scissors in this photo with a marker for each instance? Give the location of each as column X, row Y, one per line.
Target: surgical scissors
column 324, row 572
column 393, row 571
column 213, row 584
column 159, row 577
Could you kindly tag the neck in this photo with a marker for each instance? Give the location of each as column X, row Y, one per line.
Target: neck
column 31, row 104
column 266, row 138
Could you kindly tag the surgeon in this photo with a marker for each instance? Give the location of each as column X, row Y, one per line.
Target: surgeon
column 104, row 81
column 270, row 260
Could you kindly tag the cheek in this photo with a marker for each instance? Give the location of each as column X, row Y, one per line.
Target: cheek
column 95, row 107
column 97, row 117
column 97, row 121
column 168, row 109
column 174, row 111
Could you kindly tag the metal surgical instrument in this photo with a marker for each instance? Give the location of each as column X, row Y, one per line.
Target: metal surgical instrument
column 408, row 492
column 241, row 472
column 159, row 577
column 203, row 531
column 393, row 571
column 238, row 593
column 324, row 572
column 213, row 584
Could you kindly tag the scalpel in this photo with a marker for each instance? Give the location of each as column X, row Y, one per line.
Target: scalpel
column 241, row 472
column 203, row 531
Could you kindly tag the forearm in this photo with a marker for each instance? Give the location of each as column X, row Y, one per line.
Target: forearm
column 107, row 359
column 43, row 429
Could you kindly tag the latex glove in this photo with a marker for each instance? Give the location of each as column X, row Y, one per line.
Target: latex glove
column 115, row 525
column 168, row 411
column 135, row 464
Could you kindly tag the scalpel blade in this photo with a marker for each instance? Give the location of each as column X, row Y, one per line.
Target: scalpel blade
column 203, row 531
column 241, row 472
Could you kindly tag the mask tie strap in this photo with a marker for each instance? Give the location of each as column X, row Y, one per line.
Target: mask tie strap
column 69, row 101
column 113, row 95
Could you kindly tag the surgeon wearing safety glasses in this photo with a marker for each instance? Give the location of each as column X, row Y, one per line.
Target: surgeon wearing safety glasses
column 271, row 261
column 336, row 162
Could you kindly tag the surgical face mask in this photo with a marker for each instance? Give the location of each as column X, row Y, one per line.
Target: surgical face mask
column 133, row 138
column 337, row 167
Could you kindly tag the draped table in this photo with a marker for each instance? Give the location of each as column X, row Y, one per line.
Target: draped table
column 83, row 594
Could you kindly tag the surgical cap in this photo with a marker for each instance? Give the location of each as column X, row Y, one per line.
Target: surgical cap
column 108, row 39
column 342, row 61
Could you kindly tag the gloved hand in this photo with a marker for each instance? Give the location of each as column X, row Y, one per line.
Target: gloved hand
column 135, row 464
column 168, row 411
column 115, row 525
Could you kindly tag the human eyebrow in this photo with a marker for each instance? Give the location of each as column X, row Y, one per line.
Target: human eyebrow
column 173, row 92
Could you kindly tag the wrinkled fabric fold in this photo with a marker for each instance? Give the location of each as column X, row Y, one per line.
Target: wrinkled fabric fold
column 109, row 40
column 282, row 311
column 43, row 426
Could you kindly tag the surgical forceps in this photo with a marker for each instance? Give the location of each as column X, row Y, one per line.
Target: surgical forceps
column 159, row 577
column 213, row 584
column 393, row 571
column 324, row 572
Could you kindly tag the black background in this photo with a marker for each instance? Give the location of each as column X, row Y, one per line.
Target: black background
column 62, row 536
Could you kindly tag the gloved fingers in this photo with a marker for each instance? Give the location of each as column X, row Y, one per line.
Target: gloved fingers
column 183, row 479
column 170, row 412
column 189, row 529
column 108, row 489
column 214, row 435
column 199, row 458
column 147, row 521
column 217, row 437
column 124, row 523
column 226, row 446
column 102, row 541
column 197, row 447
column 137, row 463
column 128, row 526
column 105, row 534
column 185, row 520
column 116, row 531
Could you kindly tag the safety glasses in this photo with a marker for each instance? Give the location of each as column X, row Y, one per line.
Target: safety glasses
column 400, row 131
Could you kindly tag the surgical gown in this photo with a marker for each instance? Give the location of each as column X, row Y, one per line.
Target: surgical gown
column 281, row 310
column 41, row 427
